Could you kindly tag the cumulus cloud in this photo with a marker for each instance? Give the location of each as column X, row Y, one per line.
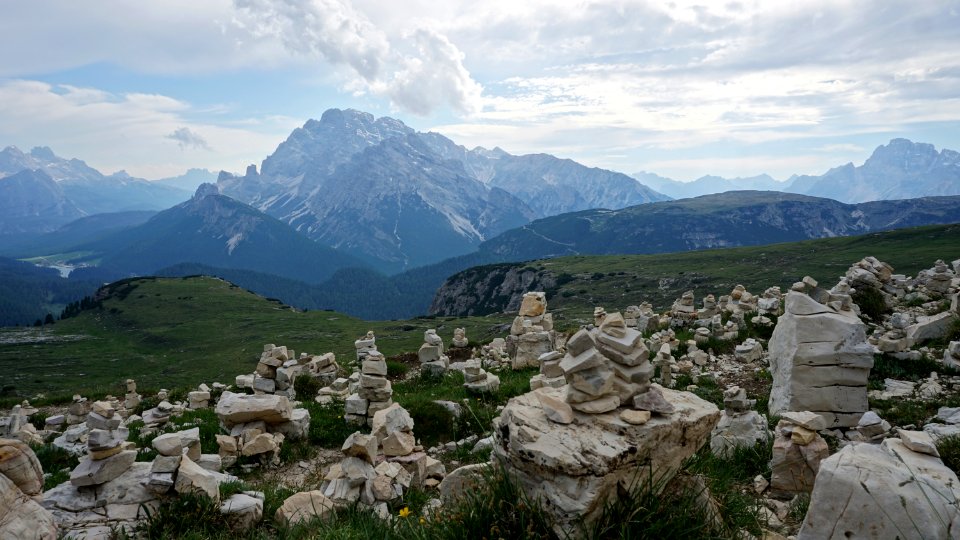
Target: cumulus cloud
column 419, row 79
column 187, row 138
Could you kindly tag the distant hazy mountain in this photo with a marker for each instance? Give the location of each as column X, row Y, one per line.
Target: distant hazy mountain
column 88, row 189
column 215, row 230
column 707, row 185
column 84, row 230
column 190, row 180
column 375, row 188
column 735, row 218
column 30, row 201
column 899, row 170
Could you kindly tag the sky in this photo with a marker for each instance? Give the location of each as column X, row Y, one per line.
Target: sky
column 681, row 89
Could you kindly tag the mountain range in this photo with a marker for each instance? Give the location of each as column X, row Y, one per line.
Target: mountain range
column 379, row 190
column 900, row 169
column 44, row 191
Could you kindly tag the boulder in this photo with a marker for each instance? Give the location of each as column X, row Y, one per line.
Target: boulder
column 304, row 506
column 738, row 431
column 192, row 478
column 462, row 480
column 575, row 469
column 240, row 408
column 883, row 491
column 20, row 465
column 243, row 510
column 92, row 472
column 932, row 327
column 21, row 517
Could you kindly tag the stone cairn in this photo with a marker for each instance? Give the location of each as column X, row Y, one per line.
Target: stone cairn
column 477, row 380
column 551, row 374
column 819, row 358
column 531, row 334
column 199, row 398
column 107, row 457
column 666, row 364
column 695, row 356
column 180, row 466
column 18, row 426
column 432, row 359
column 683, row 310
column 378, row 467
column 797, row 452
column 371, row 392
column 494, row 355
column 365, row 345
column 258, row 425
column 132, row 399
column 749, row 351
column 641, row 317
column 278, row 368
column 740, row 426
column 459, row 340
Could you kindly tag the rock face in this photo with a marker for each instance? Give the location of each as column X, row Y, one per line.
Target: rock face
column 575, row 468
column 883, row 491
column 820, row 361
column 21, row 479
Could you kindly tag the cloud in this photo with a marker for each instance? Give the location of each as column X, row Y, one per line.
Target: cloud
column 188, row 139
column 418, row 79
column 130, row 131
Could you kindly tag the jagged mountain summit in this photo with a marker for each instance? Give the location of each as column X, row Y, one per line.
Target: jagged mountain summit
column 85, row 188
column 378, row 189
column 707, row 185
column 901, row 169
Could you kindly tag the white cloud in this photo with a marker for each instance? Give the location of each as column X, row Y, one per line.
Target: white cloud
column 148, row 135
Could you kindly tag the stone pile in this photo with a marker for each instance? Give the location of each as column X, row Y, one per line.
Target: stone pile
column 339, row 389
column 897, row 489
column 551, row 374
column 365, row 346
column 937, row 280
column 430, row 354
column 893, row 337
column 683, row 308
column 477, row 380
column 740, row 426
column 371, row 393
column 21, row 486
column 199, row 398
column 380, row 466
column 709, row 309
column 769, row 302
column 279, row 368
column 494, row 355
column 820, row 360
column 749, row 351
column 459, row 338
column 641, row 317
column 666, row 364
column 739, row 301
column 531, row 334
column 696, row 356
column 797, row 452
column 258, row 425
column 107, row 454
column 132, row 399
column 17, row 425
column 78, row 410
column 159, row 415
column 871, row 428
column 180, row 467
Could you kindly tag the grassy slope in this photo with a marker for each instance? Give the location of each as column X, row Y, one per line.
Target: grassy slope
column 181, row 332
column 659, row 279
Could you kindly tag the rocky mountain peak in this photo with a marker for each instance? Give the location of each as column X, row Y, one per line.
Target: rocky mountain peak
column 43, row 152
column 206, row 189
column 903, row 154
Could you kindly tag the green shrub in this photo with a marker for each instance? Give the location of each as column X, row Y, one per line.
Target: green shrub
column 949, row 449
column 55, row 461
column 872, row 303
column 396, row 370
column 39, row 420
column 307, row 387
column 327, row 429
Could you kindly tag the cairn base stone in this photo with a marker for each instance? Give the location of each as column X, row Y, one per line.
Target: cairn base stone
column 576, row 468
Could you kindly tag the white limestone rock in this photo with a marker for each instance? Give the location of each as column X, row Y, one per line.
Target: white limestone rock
column 820, row 361
column 882, row 491
column 22, row 517
column 304, row 506
column 738, row 431
column 235, row 409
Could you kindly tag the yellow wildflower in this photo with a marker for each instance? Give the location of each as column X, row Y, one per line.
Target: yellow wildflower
column 404, row 512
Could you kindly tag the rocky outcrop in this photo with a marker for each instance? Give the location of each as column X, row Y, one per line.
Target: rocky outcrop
column 482, row 290
column 21, row 481
column 575, row 468
column 820, row 361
